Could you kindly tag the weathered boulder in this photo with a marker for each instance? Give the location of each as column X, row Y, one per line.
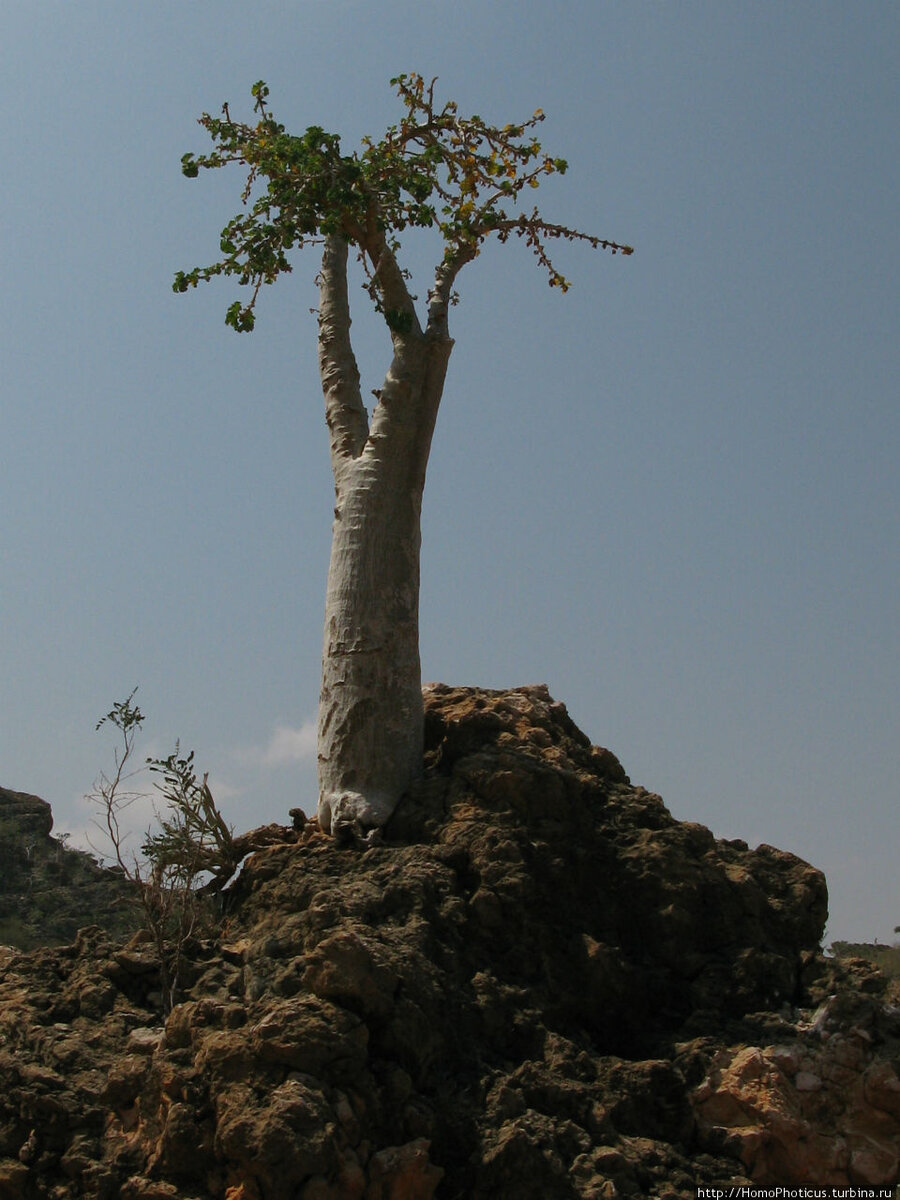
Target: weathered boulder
column 536, row 984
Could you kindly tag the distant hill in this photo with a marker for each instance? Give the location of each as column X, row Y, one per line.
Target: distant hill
column 47, row 890
column 886, row 958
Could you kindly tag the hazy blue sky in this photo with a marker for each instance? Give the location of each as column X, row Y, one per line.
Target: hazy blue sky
column 671, row 494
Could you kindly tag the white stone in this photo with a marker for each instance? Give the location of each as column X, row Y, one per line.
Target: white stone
column 144, row 1040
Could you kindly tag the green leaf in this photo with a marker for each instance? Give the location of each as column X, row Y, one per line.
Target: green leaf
column 398, row 320
column 240, row 318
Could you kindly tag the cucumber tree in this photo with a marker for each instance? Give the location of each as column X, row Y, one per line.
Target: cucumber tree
column 467, row 181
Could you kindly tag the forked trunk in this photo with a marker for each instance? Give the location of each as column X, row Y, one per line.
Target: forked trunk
column 370, row 735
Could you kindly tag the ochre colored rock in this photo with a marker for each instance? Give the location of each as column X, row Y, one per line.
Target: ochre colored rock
column 822, row 1108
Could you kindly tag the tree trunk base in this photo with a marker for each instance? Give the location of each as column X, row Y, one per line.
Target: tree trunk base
column 353, row 812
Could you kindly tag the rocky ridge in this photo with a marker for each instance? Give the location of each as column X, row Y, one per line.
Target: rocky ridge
column 48, row 890
column 537, row 984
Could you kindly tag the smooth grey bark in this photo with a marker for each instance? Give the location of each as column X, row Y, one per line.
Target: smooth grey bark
column 370, row 731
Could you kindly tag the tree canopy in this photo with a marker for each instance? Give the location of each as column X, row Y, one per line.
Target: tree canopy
column 435, row 169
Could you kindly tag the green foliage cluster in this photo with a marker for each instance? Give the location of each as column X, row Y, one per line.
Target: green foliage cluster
column 192, row 837
column 434, row 169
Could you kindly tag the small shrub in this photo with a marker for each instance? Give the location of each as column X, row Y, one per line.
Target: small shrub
column 191, row 840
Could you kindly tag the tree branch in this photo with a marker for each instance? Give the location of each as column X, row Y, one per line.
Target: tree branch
column 388, row 283
column 444, row 277
column 348, row 422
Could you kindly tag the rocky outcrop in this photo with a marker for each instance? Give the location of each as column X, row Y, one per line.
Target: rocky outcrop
column 821, row 1106
column 537, row 984
column 27, row 817
column 47, row 890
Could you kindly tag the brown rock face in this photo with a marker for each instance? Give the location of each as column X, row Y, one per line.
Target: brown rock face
column 536, row 985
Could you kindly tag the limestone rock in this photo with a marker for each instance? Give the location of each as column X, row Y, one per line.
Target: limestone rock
column 822, row 1108
column 537, row 984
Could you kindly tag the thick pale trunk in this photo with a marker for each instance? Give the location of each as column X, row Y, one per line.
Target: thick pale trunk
column 370, row 736
column 370, row 709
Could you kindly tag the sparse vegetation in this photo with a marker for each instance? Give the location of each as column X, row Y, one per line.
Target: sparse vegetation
column 192, row 840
